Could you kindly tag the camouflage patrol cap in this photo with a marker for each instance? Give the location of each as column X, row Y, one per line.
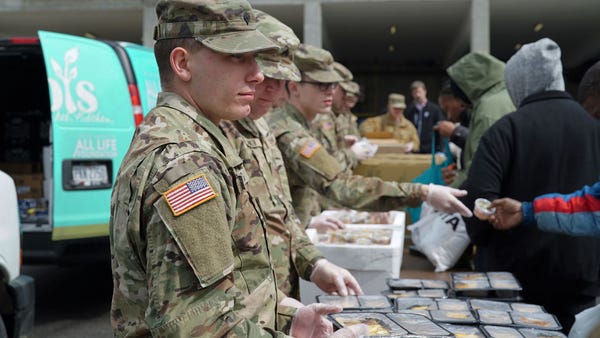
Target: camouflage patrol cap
column 396, row 100
column 350, row 87
column 223, row 26
column 316, row 64
column 344, row 72
column 277, row 64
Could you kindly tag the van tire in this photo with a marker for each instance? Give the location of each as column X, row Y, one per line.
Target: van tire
column 2, row 329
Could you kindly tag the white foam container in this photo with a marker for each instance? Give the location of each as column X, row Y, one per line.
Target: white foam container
column 369, row 264
column 398, row 217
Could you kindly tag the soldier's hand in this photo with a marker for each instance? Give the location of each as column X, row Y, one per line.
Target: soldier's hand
column 444, row 199
column 310, row 321
column 334, row 279
column 408, row 147
column 361, row 151
column 349, row 140
column 354, row 331
column 323, row 223
column 509, row 213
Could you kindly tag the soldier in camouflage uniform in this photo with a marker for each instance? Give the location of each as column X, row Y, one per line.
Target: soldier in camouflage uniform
column 325, row 126
column 308, row 164
column 344, row 99
column 188, row 248
column 393, row 121
column 292, row 252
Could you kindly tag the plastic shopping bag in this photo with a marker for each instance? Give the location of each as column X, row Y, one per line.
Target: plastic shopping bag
column 587, row 324
column 440, row 236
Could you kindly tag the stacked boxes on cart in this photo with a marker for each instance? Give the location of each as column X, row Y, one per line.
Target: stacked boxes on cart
column 472, row 305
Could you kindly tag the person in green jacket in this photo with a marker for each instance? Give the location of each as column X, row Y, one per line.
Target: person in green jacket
column 480, row 77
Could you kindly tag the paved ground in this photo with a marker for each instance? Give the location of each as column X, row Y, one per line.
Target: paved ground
column 72, row 301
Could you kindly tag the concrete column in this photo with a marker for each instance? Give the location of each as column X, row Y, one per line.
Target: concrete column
column 480, row 25
column 148, row 22
column 313, row 23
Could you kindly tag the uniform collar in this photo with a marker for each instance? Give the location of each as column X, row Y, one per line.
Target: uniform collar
column 174, row 101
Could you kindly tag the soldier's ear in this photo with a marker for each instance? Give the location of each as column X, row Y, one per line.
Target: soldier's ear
column 293, row 88
column 180, row 63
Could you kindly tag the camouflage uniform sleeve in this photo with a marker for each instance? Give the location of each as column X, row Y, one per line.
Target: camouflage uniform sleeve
column 322, row 173
column 304, row 253
column 189, row 259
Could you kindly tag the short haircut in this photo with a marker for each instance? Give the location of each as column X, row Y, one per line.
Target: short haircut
column 590, row 83
column 162, row 53
column 417, row 84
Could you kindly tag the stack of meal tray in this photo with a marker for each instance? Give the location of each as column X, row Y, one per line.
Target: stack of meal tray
column 472, row 305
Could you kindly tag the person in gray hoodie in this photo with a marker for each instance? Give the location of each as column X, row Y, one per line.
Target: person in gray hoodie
column 549, row 144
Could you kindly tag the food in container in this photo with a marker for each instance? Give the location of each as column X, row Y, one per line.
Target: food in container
column 535, row 320
column 469, row 275
column 373, row 301
column 482, row 304
column 535, row 333
column 434, row 284
column 504, row 284
column 501, row 332
column 345, row 302
column 357, row 236
column 481, row 285
column 482, row 209
column 493, row 317
column 401, row 294
column 453, row 316
column 432, row 293
column 463, row 331
column 404, row 283
column 377, row 323
column 528, row 308
column 417, row 324
column 452, row 304
column 361, row 217
column 415, row 304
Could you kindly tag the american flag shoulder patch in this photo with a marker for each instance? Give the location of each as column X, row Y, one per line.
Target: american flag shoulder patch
column 189, row 194
column 310, row 148
column 327, row 125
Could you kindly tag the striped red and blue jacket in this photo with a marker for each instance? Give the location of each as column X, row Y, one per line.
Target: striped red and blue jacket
column 576, row 214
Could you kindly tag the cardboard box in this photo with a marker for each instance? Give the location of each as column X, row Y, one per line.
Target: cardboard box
column 395, row 167
column 387, row 145
column 29, row 185
column 369, row 264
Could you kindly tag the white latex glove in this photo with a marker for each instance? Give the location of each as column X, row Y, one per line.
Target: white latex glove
column 408, row 147
column 334, row 279
column 354, row 331
column 310, row 321
column 291, row 302
column 444, row 199
column 349, row 140
column 361, row 151
column 323, row 223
